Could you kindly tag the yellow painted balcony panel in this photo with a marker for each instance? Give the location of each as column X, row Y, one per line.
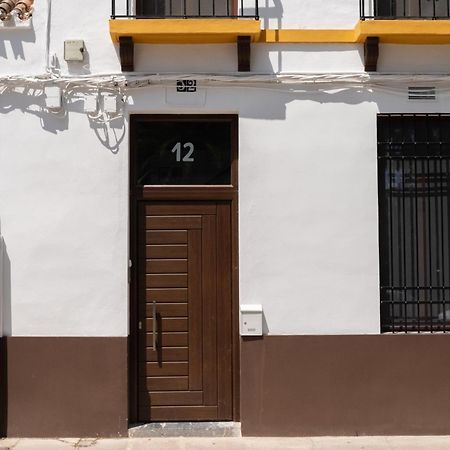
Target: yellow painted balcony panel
column 405, row 31
column 184, row 31
column 389, row 32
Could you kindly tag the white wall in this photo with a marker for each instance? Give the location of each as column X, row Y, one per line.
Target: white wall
column 24, row 51
column 4, row 281
column 308, row 198
column 63, row 212
column 308, row 210
column 322, row 14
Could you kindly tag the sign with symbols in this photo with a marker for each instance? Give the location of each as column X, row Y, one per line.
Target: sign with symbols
column 186, row 85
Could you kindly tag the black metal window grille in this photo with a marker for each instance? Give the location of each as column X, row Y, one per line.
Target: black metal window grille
column 186, row 9
column 414, row 222
column 404, row 9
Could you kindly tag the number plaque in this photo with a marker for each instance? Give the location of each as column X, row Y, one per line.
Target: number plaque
column 186, row 85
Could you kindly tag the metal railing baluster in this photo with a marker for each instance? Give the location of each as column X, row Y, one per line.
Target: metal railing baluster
column 149, row 9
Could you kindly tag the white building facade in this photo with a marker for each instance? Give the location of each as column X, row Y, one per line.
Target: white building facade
column 163, row 169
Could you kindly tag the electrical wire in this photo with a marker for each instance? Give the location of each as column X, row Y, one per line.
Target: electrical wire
column 123, row 86
column 116, row 82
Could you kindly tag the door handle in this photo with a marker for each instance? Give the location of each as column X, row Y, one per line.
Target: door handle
column 155, row 325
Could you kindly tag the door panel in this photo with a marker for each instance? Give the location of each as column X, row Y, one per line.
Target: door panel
column 184, row 275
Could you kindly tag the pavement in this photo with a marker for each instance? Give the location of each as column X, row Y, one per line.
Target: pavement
column 234, row 443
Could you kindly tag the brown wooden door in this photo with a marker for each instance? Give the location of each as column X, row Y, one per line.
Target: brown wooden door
column 184, row 311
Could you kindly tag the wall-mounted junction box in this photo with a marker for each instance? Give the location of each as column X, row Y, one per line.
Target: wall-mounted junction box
column 251, row 320
column 110, row 104
column 52, row 97
column 74, row 50
column 90, row 104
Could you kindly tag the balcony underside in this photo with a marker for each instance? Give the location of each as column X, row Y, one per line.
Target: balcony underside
column 184, row 31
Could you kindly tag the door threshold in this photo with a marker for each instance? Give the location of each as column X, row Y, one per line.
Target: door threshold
column 185, row 429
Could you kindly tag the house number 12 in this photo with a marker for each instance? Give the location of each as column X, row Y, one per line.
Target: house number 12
column 189, row 146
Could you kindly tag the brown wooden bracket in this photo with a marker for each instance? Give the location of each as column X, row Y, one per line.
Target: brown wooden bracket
column 371, row 51
column 243, row 49
column 126, row 46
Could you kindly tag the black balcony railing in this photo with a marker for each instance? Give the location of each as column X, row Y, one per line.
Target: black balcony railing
column 404, row 9
column 185, row 9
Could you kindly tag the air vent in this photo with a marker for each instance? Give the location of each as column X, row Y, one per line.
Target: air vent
column 421, row 93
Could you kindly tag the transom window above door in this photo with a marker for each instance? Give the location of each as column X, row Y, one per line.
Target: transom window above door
column 183, row 151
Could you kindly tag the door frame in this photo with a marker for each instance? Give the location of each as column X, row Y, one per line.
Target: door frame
column 181, row 193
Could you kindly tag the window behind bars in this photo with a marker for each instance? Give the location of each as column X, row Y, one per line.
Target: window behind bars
column 414, row 222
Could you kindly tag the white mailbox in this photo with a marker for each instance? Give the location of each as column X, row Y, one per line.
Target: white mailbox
column 251, row 320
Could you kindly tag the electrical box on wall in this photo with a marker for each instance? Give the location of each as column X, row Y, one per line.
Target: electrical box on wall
column 251, row 320
column 110, row 104
column 74, row 50
column 90, row 104
column 53, row 97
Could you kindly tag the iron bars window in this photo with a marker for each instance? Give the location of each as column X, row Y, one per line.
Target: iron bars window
column 186, row 9
column 404, row 9
column 414, row 221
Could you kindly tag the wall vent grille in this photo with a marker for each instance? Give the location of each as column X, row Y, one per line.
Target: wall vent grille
column 422, row 93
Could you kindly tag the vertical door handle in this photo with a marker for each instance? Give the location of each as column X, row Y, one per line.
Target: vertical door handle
column 155, row 322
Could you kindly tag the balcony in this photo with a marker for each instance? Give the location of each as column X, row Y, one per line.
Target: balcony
column 185, row 9
column 184, row 22
column 401, row 22
column 405, row 9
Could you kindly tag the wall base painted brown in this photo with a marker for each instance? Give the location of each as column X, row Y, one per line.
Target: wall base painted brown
column 345, row 385
column 3, row 386
column 66, row 387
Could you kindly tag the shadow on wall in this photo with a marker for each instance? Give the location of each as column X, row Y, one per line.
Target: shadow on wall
column 31, row 100
column 110, row 131
column 279, row 58
column 271, row 11
column 5, row 288
column 82, row 67
column 5, row 311
column 16, row 38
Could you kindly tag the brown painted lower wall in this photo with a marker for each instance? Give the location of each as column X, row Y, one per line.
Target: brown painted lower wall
column 63, row 387
column 3, row 385
column 345, row 385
